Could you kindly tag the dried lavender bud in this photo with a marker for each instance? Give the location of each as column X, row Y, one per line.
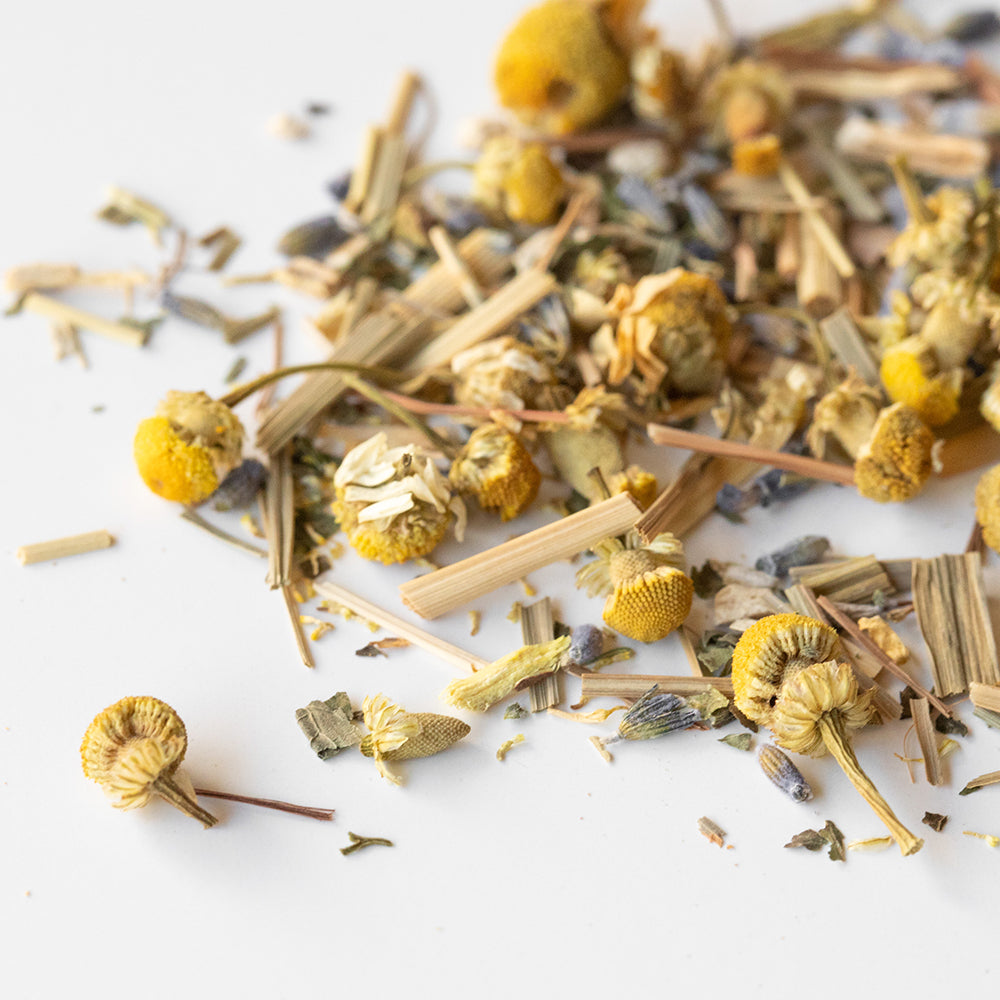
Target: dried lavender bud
column 586, row 644
column 240, row 488
column 972, row 26
column 638, row 196
column 709, row 223
column 801, row 552
column 193, row 310
column 313, row 238
column 655, row 715
column 783, row 773
column 339, row 186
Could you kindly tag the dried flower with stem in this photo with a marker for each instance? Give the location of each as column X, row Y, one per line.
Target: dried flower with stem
column 134, row 750
column 783, row 678
column 747, row 100
column 393, row 503
column 521, row 181
column 649, row 595
column 395, row 734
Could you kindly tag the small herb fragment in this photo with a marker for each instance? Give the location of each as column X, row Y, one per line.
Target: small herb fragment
column 358, row 843
column 817, row 840
column 515, row 711
column 738, row 741
column 328, row 725
column 507, row 744
column 935, row 821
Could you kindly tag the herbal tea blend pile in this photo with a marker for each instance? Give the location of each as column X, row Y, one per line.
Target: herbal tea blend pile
column 780, row 254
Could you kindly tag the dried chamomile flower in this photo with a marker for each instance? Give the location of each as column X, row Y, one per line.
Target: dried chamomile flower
column 911, row 374
column 559, row 69
column 395, row 734
column 638, row 482
column 783, row 679
column 938, row 229
column 189, row 447
column 133, row 750
column 847, row 414
column 649, row 595
column 988, row 506
column 897, row 460
column 522, row 181
column 659, row 88
column 392, row 503
column 500, row 374
column 496, row 467
column 759, row 156
column 674, row 328
column 493, row 683
column 748, row 99
column 601, row 271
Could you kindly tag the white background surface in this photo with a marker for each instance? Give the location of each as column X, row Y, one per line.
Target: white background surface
column 552, row 873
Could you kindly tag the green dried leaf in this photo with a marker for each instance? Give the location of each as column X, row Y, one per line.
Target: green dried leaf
column 740, row 741
column 328, row 725
column 715, row 651
column 713, row 705
column 951, row 727
column 515, row 711
column 816, row 840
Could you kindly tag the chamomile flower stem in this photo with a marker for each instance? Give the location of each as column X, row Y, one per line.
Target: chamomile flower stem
column 167, row 788
column 369, row 391
column 835, row 739
column 241, row 392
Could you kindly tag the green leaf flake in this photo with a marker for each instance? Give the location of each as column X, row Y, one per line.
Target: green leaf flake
column 739, row 741
column 328, row 725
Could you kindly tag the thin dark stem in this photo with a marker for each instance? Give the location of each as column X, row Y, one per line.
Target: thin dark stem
column 324, row 814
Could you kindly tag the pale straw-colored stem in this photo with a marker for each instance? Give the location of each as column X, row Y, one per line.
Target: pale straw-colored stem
column 831, row 728
column 397, row 626
column 58, row 548
column 448, row 588
column 60, row 311
column 602, row 685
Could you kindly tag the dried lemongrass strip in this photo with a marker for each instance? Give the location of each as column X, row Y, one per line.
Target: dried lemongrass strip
column 983, row 780
column 301, row 642
column 309, row 276
column 858, row 83
column 588, row 718
column 496, row 313
column 50, row 277
column 815, row 220
column 443, row 650
column 705, row 444
column 953, row 615
column 361, row 174
column 448, row 588
column 985, row 695
column 445, row 249
column 951, row 156
column 279, row 518
column 59, row 548
column 598, row 744
column 818, row 285
column 386, row 179
column 192, row 517
column 861, row 204
column 538, row 626
column 506, row 746
column 597, row 685
column 382, row 335
column 921, row 711
column 851, row 580
column 843, row 337
column 711, row 830
column 226, row 243
column 844, row 622
column 61, row 312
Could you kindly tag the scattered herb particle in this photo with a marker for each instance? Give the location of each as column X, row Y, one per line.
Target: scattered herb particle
column 935, row 821
column 739, row 741
column 507, row 744
column 328, row 725
column 515, row 711
column 359, row 842
column 712, row 831
column 952, row 726
column 236, row 370
column 707, row 580
column 816, row 840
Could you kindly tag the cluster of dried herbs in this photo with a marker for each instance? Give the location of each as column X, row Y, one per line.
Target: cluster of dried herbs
column 652, row 238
